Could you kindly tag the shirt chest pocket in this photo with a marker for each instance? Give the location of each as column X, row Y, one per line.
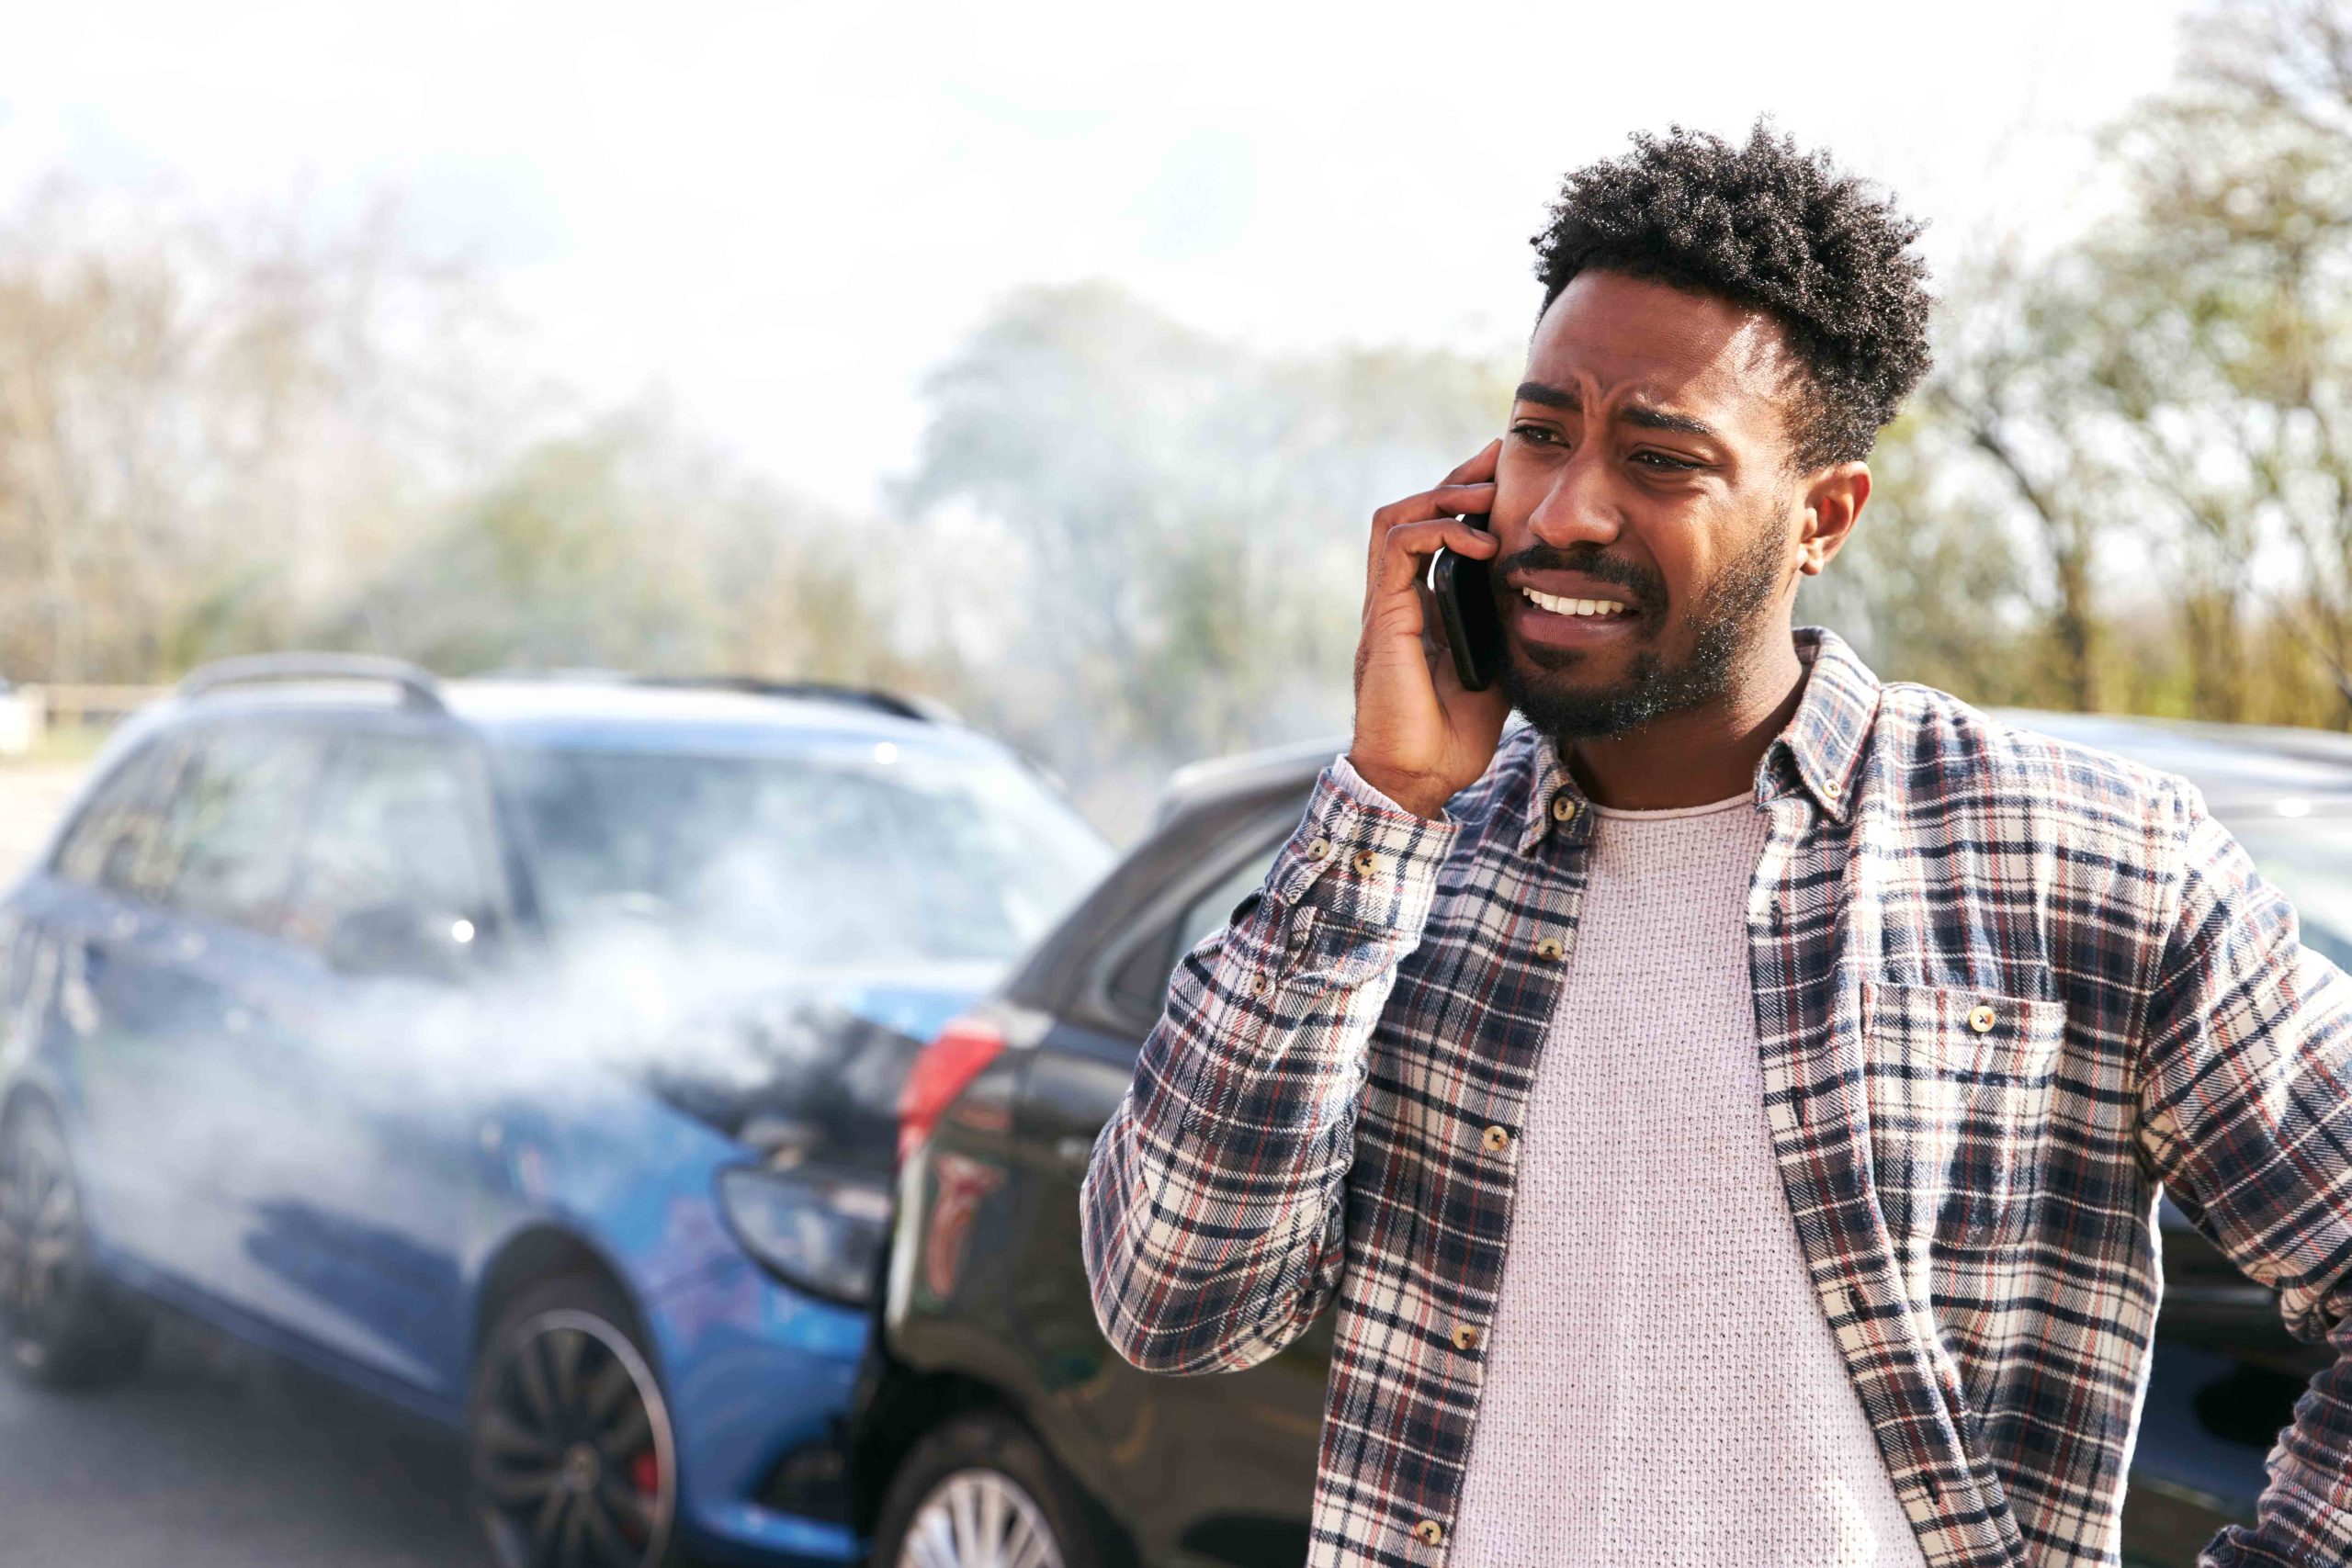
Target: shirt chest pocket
column 1959, row 1085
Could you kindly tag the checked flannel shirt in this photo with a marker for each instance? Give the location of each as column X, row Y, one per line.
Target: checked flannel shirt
column 2004, row 987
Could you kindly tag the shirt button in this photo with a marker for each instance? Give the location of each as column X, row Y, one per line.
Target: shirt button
column 1465, row 1338
column 1430, row 1531
column 1564, row 807
column 1366, row 863
column 1260, row 985
column 1497, row 1138
column 1549, row 948
column 1981, row 1019
column 1318, row 849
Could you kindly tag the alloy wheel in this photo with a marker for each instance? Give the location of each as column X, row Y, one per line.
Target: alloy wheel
column 978, row 1519
column 40, row 1230
column 572, row 1456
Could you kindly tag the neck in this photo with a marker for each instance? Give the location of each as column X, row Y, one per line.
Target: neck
column 1707, row 754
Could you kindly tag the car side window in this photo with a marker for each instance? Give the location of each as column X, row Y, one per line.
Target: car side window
column 228, row 839
column 399, row 824
column 1138, row 988
column 115, row 841
column 1212, row 909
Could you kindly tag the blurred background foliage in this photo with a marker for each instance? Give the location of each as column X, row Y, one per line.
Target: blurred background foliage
column 1125, row 543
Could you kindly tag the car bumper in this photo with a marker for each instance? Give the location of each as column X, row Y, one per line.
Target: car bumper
column 761, row 1380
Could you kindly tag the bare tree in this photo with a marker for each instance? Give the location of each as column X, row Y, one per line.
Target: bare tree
column 208, row 431
column 2168, row 400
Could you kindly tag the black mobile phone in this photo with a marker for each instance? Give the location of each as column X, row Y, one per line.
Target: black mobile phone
column 1465, row 604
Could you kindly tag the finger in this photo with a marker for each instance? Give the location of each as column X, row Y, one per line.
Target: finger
column 1434, row 649
column 1446, row 501
column 1479, row 467
column 1410, row 544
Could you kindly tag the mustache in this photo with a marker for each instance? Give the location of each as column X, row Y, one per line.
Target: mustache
column 1648, row 590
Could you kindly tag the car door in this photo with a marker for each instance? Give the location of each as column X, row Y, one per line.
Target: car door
column 1208, row 1470
column 101, row 936
column 221, row 878
column 362, row 1173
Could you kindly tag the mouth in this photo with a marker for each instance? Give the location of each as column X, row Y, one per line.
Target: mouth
column 1562, row 620
column 1560, row 604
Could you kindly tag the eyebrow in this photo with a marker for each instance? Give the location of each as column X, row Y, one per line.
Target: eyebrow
column 1645, row 415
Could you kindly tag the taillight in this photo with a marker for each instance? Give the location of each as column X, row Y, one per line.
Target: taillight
column 946, row 1068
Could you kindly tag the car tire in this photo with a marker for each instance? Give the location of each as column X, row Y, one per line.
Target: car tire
column 980, row 1489
column 62, row 1324
column 570, row 1455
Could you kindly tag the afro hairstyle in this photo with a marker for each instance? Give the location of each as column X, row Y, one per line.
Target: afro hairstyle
column 1777, row 230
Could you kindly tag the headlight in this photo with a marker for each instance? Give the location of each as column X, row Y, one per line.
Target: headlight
column 822, row 1231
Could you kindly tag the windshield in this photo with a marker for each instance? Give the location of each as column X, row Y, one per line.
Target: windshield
column 877, row 857
column 2310, row 860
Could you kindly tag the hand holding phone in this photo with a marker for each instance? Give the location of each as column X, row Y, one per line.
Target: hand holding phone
column 1422, row 732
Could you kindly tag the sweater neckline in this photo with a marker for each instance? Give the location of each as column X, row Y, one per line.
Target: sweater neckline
column 1668, row 813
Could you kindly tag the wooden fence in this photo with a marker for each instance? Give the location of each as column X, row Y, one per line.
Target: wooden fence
column 27, row 714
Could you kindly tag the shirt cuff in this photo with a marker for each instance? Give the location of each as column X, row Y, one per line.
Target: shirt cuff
column 1360, row 860
column 1345, row 773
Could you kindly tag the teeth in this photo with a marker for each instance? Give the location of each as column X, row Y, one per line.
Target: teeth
column 1560, row 606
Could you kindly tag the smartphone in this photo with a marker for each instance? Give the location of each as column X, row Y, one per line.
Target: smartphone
column 1465, row 605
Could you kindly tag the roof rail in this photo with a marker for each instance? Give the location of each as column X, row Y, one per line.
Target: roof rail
column 1212, row 771
column 1244, row 771
column 925, row 710
column 417, row 686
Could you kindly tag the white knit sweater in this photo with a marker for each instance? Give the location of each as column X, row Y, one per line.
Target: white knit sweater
column 1661, row 1387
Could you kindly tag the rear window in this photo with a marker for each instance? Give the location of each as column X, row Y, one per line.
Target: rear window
column 205, row 822
column 229, row 834
column 879, row 856
column 115, row 842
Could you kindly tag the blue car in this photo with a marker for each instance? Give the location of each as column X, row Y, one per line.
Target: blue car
column 525, row 1052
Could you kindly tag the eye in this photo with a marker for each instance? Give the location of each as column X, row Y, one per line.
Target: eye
column 1664, row 462
column 1540, row 433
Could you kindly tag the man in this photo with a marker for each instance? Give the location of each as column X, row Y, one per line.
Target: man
column 1728, row 1109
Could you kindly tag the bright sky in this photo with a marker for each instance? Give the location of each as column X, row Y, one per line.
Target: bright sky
column 777, row 217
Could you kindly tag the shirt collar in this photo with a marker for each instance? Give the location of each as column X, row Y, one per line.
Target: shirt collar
column 1819, row 749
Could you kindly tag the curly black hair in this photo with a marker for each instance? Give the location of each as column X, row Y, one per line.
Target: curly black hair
column 1776, row 230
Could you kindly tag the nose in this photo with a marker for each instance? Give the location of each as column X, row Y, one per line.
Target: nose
column 1578, row 506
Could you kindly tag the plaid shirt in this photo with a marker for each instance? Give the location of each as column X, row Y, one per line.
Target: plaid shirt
column 2003, row 987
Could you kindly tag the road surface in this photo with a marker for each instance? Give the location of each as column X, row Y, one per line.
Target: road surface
column 215, row 1458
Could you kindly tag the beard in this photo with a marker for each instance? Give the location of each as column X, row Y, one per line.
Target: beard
column 1540, row 683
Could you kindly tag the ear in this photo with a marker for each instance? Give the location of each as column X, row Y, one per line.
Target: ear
column 1833, row 503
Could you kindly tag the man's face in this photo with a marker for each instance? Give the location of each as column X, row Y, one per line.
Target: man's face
column 1646, row 464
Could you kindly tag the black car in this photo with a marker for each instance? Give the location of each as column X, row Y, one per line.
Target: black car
column 999, row 1410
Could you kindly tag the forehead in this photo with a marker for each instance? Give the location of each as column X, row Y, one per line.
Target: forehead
column 1619, row 336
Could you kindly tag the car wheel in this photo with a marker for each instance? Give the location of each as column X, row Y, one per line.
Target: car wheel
column 569, row 1443
column 61, row 1323
column 979, row 1491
